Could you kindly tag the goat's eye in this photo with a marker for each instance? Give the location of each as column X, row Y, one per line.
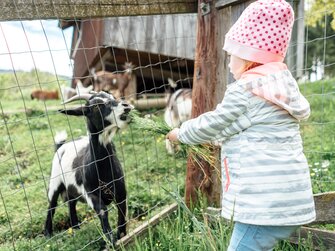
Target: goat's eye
column 94, row 108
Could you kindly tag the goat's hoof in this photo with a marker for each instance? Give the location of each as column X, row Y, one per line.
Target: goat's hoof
column 76, row 226
column 110, row 239
column 105, row 247
column 119, row 235
column 109, row 245
column 47, row 233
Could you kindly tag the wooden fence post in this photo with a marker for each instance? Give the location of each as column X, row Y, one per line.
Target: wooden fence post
column 211, row 76
column 203, row 97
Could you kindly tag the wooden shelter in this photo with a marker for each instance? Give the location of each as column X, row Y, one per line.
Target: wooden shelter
column 160, row 47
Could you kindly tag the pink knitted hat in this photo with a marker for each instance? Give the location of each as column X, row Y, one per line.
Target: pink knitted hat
column 262, row 33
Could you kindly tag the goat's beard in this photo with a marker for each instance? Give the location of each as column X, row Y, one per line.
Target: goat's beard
column 107, row 135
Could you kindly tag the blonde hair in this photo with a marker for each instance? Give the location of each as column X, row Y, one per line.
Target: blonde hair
column 246, row 65
column 249, row 65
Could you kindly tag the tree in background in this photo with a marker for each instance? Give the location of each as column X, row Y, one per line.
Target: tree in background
column 317, row 11
column 320, row 38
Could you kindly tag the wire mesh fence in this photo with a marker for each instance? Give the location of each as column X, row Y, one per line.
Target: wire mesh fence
column 318, row 86
column 55, row 55
column 30, row 120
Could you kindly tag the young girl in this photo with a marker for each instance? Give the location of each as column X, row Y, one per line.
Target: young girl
column 265, row 176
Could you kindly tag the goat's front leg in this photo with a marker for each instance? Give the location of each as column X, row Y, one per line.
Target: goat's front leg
column 53, row 196
column 101, row 210
column 73, row 213
column 51, row 212
column 121, row 204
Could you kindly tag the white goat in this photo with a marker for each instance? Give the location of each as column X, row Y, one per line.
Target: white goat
column 87, row 169
column 69, row 92
column 81, row 89
column 178, row 109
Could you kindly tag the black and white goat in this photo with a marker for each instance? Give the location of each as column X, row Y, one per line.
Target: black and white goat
column 87, row 169
column 178, row 109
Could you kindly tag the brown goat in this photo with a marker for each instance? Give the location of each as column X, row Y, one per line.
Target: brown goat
column 116, row 83
column 44, row 95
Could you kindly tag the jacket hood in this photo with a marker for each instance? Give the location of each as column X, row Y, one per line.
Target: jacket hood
column 274, row 82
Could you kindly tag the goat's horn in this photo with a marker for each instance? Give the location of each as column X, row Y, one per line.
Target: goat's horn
column 84, row 96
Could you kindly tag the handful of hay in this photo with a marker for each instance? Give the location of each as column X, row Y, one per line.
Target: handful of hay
column 155, row 127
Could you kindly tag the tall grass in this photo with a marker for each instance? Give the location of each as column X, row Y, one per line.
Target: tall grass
column 152, row 177
column 186, row 230
column 196, row 230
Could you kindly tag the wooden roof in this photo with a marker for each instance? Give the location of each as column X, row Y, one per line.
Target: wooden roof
column 65, row 9
column 170, row 35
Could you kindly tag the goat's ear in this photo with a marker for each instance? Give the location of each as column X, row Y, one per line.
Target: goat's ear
column 80, row 111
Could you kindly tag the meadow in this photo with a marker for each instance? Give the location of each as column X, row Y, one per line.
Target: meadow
column 154, row 179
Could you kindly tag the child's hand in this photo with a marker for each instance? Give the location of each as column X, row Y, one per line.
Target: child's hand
column 173, row 135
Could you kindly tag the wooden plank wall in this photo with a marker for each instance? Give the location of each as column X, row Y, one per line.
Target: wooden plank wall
column 172, row 35
column 87, row 46
column 65, row 9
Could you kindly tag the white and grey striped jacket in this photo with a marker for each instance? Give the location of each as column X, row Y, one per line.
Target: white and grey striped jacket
column 267, row 172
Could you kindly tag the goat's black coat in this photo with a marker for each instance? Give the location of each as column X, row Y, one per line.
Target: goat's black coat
column 96, row 167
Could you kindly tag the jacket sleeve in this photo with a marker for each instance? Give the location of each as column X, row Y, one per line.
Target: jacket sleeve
column 226, row 120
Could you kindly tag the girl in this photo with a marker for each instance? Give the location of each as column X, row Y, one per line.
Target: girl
column 266, row 181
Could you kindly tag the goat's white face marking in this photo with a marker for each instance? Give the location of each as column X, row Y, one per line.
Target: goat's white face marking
column 116, row 121
column 115, row 116
column 107, row 135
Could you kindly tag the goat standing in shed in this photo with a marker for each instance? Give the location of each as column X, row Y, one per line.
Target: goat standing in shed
column 115, row 83
column 87, row 169
column 178, row 109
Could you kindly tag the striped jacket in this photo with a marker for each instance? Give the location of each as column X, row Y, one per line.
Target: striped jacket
column 265, row 175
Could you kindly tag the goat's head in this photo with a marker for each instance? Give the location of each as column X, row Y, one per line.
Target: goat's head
column 105, row 115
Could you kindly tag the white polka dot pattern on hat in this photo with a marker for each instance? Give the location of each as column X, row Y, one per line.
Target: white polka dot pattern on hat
column 264, row 25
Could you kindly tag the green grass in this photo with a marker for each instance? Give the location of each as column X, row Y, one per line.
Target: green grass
column 196, row 230
column 318, row 134
column 26, row 144
column 26, row 151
